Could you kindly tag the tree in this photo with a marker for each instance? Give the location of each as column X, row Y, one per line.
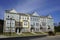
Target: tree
column 59, row 24
column 1, row 25
column 57, row 28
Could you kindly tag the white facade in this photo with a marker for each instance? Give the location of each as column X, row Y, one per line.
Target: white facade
column 14, row 20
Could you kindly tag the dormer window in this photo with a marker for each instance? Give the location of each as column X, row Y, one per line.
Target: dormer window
column 8, row 16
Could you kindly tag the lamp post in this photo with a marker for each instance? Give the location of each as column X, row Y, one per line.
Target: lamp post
column 10, row 24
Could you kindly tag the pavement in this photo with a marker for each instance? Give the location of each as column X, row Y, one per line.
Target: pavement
column 2, row 36
column 36, row 35
column 21, row 38
column 57, row 37
column 39, row 37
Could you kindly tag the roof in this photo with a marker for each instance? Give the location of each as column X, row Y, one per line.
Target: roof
column 11, row 11
column 34, row 14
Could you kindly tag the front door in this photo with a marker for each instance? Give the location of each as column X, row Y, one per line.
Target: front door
column 17, row 30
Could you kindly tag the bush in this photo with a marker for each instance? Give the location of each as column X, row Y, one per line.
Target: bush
column 51, row 33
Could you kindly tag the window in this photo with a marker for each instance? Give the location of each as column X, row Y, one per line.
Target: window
column 22, row 17
column 13, row 28
column 12, row 24
column 27, row 18
column 7, row 28
column 37, row 24
column 17, row 23
column 43, row 24
column 25, row 23
column 7, row 23
column 8, row 16
column 13, row 31
column 32, row 18
column 37, row 29
column 33, row 23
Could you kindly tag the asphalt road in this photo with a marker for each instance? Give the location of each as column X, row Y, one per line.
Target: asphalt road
column 48, row 38
column 35, row 38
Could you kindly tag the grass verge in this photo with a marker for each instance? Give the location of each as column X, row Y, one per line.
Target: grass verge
column 57, row 33
column 24, row 34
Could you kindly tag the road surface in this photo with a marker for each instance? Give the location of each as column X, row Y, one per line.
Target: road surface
column 35, row 38
column 48, row 38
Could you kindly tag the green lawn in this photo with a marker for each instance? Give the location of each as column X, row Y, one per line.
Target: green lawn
column 57, row 33
column 40, row 33
column 22, row 35
column 12, row 34
column 27, row 34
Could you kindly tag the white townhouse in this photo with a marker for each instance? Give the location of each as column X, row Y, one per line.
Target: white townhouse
column 35, row 22
column 24, row 22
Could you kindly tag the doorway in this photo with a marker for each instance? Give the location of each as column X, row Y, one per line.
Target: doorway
column 17, row 30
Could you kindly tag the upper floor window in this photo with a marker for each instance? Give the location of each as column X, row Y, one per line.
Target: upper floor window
column 24, row 17
column 34, row 19
column 43, row 24
column 37, row 24
column 33, row 23
column 8, row 16
column 27, row 17
column 25, row 23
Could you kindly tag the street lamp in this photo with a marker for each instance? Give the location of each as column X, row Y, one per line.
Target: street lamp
column 10, row 24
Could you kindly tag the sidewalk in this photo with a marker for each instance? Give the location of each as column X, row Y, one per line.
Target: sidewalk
column 2, row 36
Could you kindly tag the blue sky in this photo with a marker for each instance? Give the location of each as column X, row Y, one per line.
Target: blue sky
column 42, row 7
